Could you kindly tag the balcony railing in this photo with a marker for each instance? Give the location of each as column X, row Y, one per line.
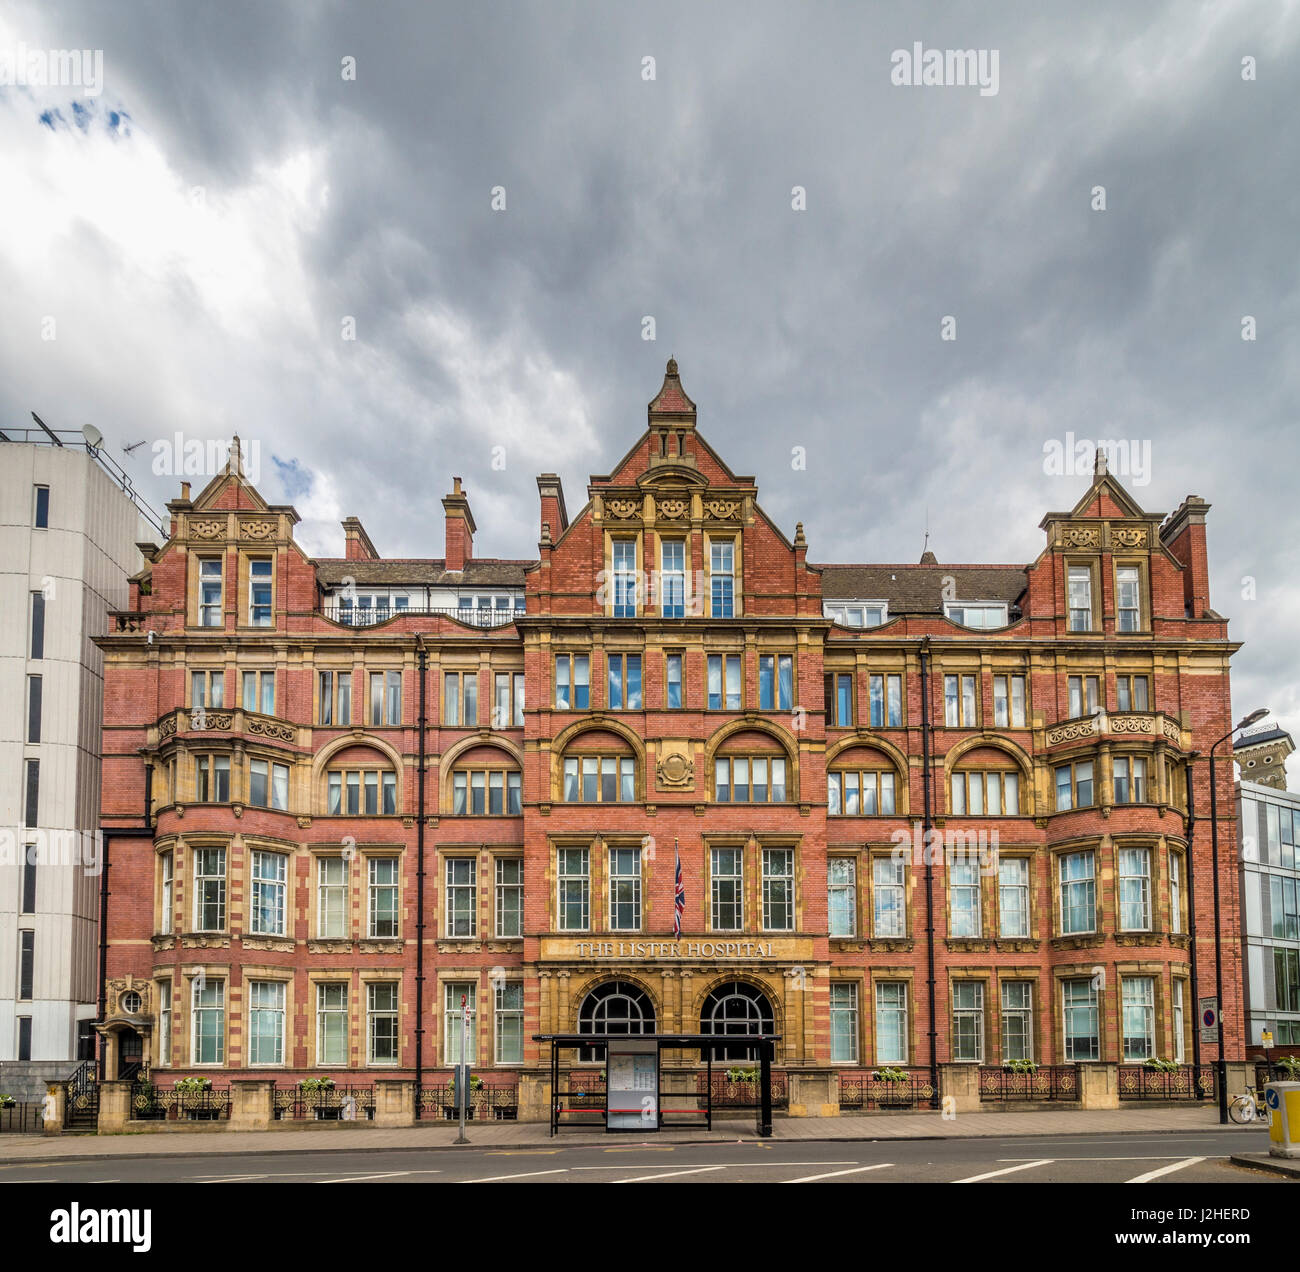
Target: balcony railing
column 1150, row 724
column 226, row 720
column 151, row 1103
column 1047, row 1082
column 1188, row 1082
column 369, row 616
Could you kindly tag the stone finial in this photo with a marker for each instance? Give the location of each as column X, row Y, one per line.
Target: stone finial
column 1099, row 466
column 235, row 463
column 799, row 540
column 546, row 534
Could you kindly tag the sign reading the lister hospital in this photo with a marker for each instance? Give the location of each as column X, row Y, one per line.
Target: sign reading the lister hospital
column 777, row 949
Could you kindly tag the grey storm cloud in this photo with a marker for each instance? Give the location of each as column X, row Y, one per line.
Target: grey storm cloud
column 671, row 198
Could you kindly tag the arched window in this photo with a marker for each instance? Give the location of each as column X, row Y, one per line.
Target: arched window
column 750, row 768
column 736, row 1010
column 358, row 781
column 599, row 767
column 615, row 1007
column 486, row 781
column 986, row 783
column 862, row 783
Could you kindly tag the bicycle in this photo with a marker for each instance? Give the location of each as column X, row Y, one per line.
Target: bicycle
column 1248, row 1107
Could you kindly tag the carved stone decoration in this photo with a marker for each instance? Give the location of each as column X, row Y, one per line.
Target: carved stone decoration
column 329, row 947
column 167, row 728
column 722, row 509
column 623, row 509
column 1171, row 730
column 1129, row 536
column 377, row 946
column 1132, row 724
column 164, row 943
column 304, row 822
column 207, row 529
column 1068, row 732
column 205, row 942
column 222, row 720
column 256, row 529
column 267, row 943
column 674, row 509
column 676, row 770
column 1081, row 536
column 271, row 729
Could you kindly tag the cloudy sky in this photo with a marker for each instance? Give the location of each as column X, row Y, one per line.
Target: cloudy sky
column 201, row 226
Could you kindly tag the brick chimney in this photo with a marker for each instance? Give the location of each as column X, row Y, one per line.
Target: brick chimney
column 553, row 511
column 357, row 542
column 1184, row 535
column 460, row 527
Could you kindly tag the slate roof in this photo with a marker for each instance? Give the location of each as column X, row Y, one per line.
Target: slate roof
column 918, row 589
column 421, row 573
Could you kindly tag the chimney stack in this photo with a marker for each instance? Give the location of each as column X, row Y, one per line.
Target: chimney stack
column 555, row 520
column 357, row 545
column 460, row 528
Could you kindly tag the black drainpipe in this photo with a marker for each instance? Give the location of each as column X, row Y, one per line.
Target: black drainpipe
column 929, row 867
column 421, row 660
column 105, row 837
column 1194, row 1005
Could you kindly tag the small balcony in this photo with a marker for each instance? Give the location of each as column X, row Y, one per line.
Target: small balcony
column 226, row 720
column 1116, row 724
column 373, row 615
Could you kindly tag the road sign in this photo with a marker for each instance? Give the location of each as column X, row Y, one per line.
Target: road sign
column 1266, row 1038
column 1209, row 1013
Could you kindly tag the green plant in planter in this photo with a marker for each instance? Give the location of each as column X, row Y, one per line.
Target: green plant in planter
column 475, row 1083
column 1161, row 1066
column 7, row 1101
column 742, row 1075
column 317, row 1084
column 1290, row 1065
column 189, row 1086
column 1021, row 1066
column 888, row 1074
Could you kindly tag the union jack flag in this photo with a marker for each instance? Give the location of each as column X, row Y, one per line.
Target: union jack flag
column 679, row 895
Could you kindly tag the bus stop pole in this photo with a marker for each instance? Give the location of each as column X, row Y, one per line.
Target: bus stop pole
column 765, row 1089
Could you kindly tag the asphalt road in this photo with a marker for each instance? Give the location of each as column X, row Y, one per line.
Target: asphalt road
column 1193, row 1157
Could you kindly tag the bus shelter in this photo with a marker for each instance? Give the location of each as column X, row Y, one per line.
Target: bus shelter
column 631, row 1094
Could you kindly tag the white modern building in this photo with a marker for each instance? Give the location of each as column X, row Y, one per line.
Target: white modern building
column 69, row 530
column 1269, row 821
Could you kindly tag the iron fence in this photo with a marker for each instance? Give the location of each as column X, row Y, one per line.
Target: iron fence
column 887, row 1089
column 150, row 1103
column 731, row 1091
column 323, row 1104
column 1046, row 1082
column 21, row 1119
column 491, row 1102
column 369, row 616
column 1187, row 1082
column 1270, row 1072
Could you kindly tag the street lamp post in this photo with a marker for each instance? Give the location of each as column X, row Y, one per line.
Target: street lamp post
column 1222, row 1064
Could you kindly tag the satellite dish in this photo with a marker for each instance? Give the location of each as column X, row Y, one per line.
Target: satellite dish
column 92, row 435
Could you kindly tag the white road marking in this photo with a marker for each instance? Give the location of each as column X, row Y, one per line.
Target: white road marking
column 1010, row 1170
column 528, row 1174
column 857, row 1170
column 355, row 1179
column 1164, row 1170
column 746, row 1165
column 666, row 1174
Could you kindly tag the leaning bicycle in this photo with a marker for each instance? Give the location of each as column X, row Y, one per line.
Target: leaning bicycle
column 1249, row 1106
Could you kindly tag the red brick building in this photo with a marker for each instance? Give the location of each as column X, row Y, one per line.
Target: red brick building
column 339, row 795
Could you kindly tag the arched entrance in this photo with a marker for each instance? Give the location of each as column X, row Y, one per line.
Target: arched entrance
column 736, row 1009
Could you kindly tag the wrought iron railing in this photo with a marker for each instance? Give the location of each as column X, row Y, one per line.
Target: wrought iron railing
column 1187, row 1082
column 150, row 1103
column 728, row 1092
column 324, row 1104
column 872, row 1089
column 492, row 1102
column 21, row 1119
column 1046, row 1082
column 81, row 1103
column 1266, row 1072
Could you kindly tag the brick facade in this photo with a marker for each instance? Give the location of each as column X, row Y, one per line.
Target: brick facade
column 671, row 487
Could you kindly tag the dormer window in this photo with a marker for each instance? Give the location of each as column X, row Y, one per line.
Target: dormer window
column 981, row 614
column 856, row 613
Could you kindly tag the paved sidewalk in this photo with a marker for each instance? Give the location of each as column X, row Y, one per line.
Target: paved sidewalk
column 333, row 1137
